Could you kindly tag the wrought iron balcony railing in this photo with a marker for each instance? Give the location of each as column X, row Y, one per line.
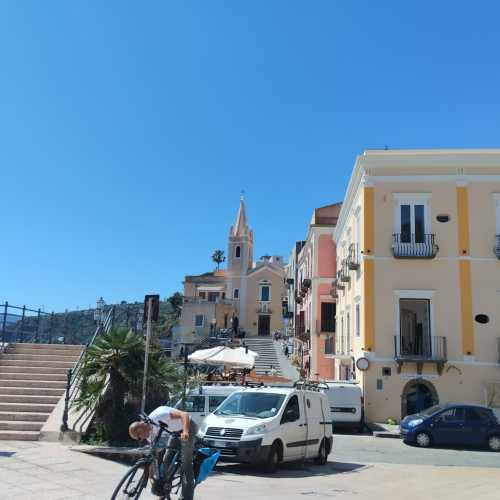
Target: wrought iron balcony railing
column 344, row 272
column 427, row 349
column 353, row 257
column 411, row 246
column 338, row 283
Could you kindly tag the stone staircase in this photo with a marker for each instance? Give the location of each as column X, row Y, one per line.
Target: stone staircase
column 32, row 381
column 264, row 347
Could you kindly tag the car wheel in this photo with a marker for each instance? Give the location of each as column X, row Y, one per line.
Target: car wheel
column 423, row 440
column 322, row 457
column 273, row 459
column 494, row 443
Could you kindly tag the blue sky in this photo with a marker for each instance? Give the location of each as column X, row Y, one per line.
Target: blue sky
column 128, row 130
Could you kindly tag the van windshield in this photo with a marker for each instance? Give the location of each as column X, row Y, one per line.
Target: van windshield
column 251, row 404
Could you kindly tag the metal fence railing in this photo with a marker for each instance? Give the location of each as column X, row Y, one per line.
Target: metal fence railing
column 22, row 324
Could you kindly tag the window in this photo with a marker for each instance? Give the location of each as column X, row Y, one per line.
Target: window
column 412, row 218
column 452, row 415
column 236, row 293
column 237, row 252
column 348, row 333
column 213, row 296
column 477, row 414
column 202, row 295
column 199, row 319
column 358, row 321
column 214, row 402
column 415, row 327
column 265, row 293
column 327, row 317
column 292, row 411
column 193, row 404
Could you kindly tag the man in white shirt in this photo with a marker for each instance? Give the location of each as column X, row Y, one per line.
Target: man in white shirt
column 177, row 421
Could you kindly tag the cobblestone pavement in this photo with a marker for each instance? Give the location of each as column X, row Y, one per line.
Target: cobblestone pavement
column 40, row 471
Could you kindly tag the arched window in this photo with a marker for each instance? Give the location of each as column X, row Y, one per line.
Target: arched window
column 237, row 252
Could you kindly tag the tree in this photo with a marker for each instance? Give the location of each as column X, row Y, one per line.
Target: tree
column 111, row 380
column 176, row 301
column 218, row 257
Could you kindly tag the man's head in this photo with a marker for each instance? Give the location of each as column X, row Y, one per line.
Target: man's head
column 139, row 430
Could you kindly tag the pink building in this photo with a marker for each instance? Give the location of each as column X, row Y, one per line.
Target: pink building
column 313, row 301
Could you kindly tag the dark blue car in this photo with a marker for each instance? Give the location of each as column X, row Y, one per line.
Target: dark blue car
column 452, row 424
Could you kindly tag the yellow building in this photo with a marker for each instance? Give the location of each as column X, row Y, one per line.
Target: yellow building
column 418, row 279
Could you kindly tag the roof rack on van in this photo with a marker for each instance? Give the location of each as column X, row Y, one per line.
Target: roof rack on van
column 253, row 384
column 311, row 385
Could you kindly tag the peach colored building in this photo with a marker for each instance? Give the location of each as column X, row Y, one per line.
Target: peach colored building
column 312, row 300
column 418, row 279
column 247, row 294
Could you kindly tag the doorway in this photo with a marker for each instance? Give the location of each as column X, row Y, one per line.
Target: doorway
column 418, row 395
column 264, row 325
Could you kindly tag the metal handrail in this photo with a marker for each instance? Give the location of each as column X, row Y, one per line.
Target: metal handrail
column 74, row 374
column 427, row 348
column 408, row 246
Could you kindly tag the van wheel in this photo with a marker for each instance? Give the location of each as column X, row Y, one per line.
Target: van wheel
column 322, row 457
column 273, row 459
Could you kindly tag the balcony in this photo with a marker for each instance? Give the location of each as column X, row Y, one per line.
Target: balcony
column 497, row 246
column 427, row 350
column 338, row 284
column 353, row 257
column 330, row 346
column 408, row 246
column 263, row 308
column 344, row 272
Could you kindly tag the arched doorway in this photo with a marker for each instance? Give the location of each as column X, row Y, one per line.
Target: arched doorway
column 418, row 394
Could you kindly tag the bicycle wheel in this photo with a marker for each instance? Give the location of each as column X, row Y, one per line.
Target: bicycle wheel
column 132, row 483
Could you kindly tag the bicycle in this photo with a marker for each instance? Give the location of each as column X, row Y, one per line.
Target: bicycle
column 136, row 479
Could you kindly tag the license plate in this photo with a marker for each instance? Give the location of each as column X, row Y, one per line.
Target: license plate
column 224, row 444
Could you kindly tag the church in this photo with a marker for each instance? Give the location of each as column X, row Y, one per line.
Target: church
column 246, row 296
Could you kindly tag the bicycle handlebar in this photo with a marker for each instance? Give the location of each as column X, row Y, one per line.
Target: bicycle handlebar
column 163, row 426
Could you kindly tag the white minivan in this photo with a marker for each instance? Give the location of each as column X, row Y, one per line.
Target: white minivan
column 346, row 404
column 205, row 399
column 268, row 425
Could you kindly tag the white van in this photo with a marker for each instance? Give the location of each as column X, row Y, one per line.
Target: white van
column 346, row 404
column 268, row 425
column 205, row 399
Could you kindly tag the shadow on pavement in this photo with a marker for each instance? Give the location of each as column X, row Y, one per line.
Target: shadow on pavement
column 290, row 470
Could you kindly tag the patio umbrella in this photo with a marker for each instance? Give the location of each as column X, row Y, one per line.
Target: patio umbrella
column 232, row 358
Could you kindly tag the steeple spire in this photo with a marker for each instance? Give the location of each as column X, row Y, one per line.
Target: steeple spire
column 241, row 227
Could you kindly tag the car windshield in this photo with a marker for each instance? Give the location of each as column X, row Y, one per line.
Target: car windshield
column 431, row 410
column 251, row 404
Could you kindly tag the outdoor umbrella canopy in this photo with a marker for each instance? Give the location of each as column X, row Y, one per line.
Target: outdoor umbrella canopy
column 232, row 358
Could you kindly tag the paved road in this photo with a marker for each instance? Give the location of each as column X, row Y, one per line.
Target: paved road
column 360, row 468
column 368, row 449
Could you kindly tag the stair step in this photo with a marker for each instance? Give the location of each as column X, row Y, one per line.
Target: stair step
column 32, row 375
column 19, row 416
column 19, row 435
column 38, row 390
column 68, row 358
column 29, row 399
column 20, row 425
column 27, row 407
column 62, row 347
column 7, row 361
column 33, row 383
column 33, row 369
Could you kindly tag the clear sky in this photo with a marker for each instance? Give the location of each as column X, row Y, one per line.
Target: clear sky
column 128, row 129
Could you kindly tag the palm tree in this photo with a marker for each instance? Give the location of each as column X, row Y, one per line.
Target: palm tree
column 111, row 380
column 218, row 257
